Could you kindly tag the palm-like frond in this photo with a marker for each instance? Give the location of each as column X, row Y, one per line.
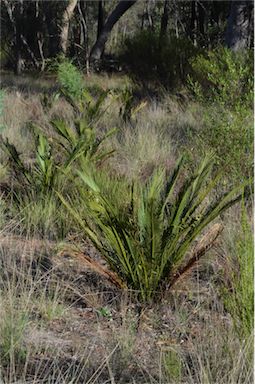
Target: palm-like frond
column 81, row 142
column 146, row 243
column 20, row 170
column 45, row 169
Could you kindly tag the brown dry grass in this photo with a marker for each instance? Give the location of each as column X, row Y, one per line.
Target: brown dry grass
column 80, row 330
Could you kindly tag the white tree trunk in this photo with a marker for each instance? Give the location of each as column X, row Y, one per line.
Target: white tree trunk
column 67, row 16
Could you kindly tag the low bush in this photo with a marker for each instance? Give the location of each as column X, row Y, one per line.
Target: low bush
column 222, row 82
column 223, row 76
column 69, row 78
column 229, row 134
column 34, row 203
column 53, row 157
column 145, row 236
column 151, row 58
column 41, row 176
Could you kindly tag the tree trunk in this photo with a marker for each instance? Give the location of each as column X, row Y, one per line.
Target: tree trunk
column 116, row 14
column 100, row 18
column 176, row 17
column 18, row 43
column 238, row 25
column 201, row 19
column 68, row 13
column 16, row 25
column 193, row 26
column 82, row 11
column 165, row 18
column 150, row 19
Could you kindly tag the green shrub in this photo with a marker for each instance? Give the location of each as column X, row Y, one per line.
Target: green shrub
column 129, row 107
column 87, row 108
column 33, row 203
column 53, row 158
column 81, row 142
column 50, row 168
column 152, row 58
column 73, row 88
column 70, row 79
column 42, row 177
column 145, row 238
column 224, row 76
column 222, row 81
column 229, row 134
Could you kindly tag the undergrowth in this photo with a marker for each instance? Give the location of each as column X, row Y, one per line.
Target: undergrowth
column 78, row 179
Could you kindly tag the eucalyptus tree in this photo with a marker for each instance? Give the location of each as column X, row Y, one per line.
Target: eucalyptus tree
column 65, row 25
column 239, row 25
column 115, row 15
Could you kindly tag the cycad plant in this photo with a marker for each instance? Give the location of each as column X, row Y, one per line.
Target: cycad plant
column 80, row 142
column 53, row 158
column 145, row 238
column 42, row 176
column 72, row 87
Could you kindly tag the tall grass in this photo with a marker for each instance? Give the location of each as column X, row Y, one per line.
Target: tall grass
column 2, row 95
column 142, row 149
column 238, row 294
column 30, row 299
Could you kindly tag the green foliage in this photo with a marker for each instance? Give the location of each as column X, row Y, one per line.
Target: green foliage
column 33, row 201
column 224, row 76
column 172, row 365
column 70, row 79
column 223, row 82
column 129, row 109
column 51, row 166
column 229, row 134
column 42, row 216
column 145, row 239
column 53, row 158
column 12, row 328
column 105, row 312
column 152, row 58
column 35, row 204
column 48, row 100
column 80, row 143
column 42, row 176
column 46, row 168
column 239, row 295
column 73, row 89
